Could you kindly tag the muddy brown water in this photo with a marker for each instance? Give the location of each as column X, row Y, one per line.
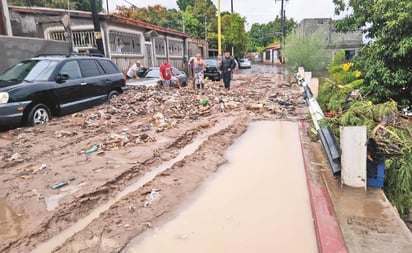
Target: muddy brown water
column 257, row 202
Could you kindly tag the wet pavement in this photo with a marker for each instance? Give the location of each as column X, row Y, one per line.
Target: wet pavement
column 257, row 202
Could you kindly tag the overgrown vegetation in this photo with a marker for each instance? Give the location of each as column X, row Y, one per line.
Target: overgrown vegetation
column 306, row 51
column 339, row 97
column 386, row 61
column 264, row 35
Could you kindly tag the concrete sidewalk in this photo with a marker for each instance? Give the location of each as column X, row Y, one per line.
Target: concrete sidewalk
column 367, row 221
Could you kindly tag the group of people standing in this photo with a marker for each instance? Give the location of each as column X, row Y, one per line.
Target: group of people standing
column 225, row 66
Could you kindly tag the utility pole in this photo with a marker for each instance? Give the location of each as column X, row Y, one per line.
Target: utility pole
column 231, row 19
column 5, row 26
column 283, row 30
column 219, row 29
column 96, row 23
column 205, row 28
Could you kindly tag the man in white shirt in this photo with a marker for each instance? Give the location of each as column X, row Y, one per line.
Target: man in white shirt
column 134, row 70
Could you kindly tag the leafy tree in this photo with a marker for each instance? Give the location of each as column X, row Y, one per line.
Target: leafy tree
column 305, row 51
column 205, row 13
column 263, row 35
column 386, row 62
column 80, row 5
column 157, row 15
column 233, row 34
column 196, row 19
column 183, row 4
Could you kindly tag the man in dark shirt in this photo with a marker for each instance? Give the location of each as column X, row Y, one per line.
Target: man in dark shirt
column 227, row 66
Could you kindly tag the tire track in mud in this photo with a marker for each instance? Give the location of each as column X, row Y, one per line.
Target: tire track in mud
column 82, row 205
column 114, row 202
column 68, row 213
column 129, row 217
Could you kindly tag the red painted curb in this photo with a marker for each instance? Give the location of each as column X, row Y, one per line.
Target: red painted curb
column 328, row 235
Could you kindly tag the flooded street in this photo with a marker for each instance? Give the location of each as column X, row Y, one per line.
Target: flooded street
column 257, row 202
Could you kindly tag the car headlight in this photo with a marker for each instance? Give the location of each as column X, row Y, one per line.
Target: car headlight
column 4, row 97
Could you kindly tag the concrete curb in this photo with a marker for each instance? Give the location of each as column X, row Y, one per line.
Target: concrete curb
column 328, row 233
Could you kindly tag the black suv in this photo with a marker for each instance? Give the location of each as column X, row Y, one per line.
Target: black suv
column 34, row 90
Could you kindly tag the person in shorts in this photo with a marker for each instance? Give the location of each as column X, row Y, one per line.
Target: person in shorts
column 199, row 66
column 167, row 74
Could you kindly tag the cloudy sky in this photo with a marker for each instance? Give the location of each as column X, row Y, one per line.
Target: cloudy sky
column 255, row 11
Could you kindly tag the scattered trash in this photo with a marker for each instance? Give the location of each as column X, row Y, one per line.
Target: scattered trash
column 35, row 169
column 222, row 105
column 257, row 106
column 153, row 195
column 94, row 148
column 204, row 102
column 59, row 185
column 64, row 133
column 15, row 157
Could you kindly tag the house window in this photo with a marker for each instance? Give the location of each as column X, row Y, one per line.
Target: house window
column 160, row 45
column 80, row 38
column 349, row 54
column 125, row 43
column 175, row 48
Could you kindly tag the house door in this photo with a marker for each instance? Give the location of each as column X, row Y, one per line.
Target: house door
column 149, row 54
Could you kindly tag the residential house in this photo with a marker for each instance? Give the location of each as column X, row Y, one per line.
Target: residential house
column 124, row 40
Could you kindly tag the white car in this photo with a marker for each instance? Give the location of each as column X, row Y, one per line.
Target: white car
column 244, row 63
column 151, row 77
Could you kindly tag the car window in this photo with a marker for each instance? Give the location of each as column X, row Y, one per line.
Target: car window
column 31, row 70
column 42, row 70
column 211, row 62
column 89, row 68
column 152, row 73
column 72, row 69
column 109, row 67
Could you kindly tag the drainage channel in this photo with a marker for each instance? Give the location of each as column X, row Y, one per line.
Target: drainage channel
column 59, row 239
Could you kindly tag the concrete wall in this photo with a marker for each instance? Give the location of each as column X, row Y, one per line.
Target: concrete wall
column 15, row 49
column 325, row 27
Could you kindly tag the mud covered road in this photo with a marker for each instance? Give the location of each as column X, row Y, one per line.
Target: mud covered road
column 93, row 180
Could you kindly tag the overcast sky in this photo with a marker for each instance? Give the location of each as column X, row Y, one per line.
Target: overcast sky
column 255, row 11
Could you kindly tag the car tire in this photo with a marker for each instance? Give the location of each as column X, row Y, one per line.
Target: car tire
column 112, row 94
column 39, row 114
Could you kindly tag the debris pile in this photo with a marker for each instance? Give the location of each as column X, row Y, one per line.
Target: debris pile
column 137, row 115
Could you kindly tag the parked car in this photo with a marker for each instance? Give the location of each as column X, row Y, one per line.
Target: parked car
column 244, row 63
column 34, row 90
column 152, row 77
column 211, row 71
